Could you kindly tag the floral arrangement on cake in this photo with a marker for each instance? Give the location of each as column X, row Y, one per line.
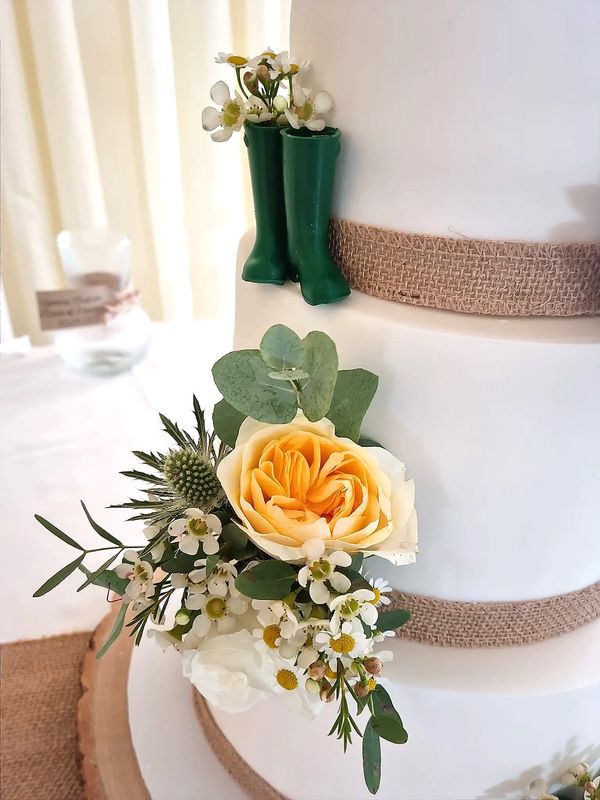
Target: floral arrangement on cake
column 260, row 80
column 256, row 540
column 578, row 783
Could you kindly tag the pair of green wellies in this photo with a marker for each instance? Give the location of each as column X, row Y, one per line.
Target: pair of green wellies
column 292, row 174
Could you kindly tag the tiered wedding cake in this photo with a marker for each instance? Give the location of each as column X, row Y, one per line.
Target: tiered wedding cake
column 463, row 118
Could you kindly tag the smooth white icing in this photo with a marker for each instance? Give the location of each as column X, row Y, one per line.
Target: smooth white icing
column 486, row 737
column 496, row 420
column 462, row 117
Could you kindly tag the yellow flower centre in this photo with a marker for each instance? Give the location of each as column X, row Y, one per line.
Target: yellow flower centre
column 320, row 570
column 287, row 680
column 269, row 53
column 372, row 684
column 270, row 635
column 294, row 69
column 329, row 673
column 377, row 597
column 350, row 607
column 141, row 571
column 237, row 61
column 343, row 644
column 305, row 112
column 216, row 608
column 197, row 527
column 231, row 113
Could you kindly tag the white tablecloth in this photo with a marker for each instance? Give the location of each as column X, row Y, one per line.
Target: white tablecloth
column 64, row 436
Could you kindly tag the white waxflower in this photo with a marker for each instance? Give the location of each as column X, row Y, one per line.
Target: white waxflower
column 300, row 647
column 278, row 623
column 256, row 110
column 538, row 790
column 196, row 528
column 592, row 789
column 139, row 573
column 346, row 645
column 237, row 62
column 230, row 117
column 306, row 109
column 221, row 580
column 150, row 532
column 356, row 605
column 196, row 584
column 380, row 587
column 164, row 639
column 319, row 570
column 218, row 611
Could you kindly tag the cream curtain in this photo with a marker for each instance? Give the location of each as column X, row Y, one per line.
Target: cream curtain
column 101, row 114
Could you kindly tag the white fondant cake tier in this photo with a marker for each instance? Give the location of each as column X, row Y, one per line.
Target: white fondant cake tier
column 497, row 421
column 481, row 724
column 462, row 117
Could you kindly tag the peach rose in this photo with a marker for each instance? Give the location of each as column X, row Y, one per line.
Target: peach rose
column 292, row 483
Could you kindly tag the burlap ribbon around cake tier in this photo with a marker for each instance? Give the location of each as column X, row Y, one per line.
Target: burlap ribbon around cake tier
column 448, row 623
column 473, row 276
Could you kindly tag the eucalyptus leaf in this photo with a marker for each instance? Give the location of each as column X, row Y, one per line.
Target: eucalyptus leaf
column 371, row 753
column 234, row 536
column 364, row 441
column 181, row 562
column 321, row 363
column 226, row 422
column 358, row 581
column 357, row 561
column 243, row 379
column 354, row 391
column 289, row 375
column 108, row 580
column 281, row 348
column 390, row 620
column 92, row 576
column 58, row 533
column 115, row 632
column 268, row 580
column 59, row 576
column 390, row 729
column 99, row 529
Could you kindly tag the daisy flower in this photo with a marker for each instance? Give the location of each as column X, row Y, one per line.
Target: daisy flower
column 356, row 605
column 380, row 588
column 276, row 612
column 218, row 611
column 194, row 529
column 319, row 570
column 305, row 109
column 237, row 62
column 139, row 574
column 346, row 645
column 230, row 116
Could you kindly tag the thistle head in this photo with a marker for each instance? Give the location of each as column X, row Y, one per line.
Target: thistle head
column 193, row 478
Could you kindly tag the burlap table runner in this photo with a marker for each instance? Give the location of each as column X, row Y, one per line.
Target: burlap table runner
column 39, row 741
column 473, row 276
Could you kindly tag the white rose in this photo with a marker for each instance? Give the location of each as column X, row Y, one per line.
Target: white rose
column 229, row 671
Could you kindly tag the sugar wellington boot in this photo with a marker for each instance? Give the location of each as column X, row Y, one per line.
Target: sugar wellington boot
column 309, row 161
column 268, row 262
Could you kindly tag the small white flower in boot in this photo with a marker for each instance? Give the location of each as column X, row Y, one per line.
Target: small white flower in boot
column 380, row 587
column 194, row 529
column 139, row 574
column 256, row 110
column 356, row 605
column 319, row 571
column 237, row 62
column 230, row 117
column 306, row 110
column 218, row 611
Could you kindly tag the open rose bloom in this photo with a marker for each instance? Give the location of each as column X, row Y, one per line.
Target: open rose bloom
column 295, row 482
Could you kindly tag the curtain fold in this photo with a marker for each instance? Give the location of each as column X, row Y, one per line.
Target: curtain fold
column 102, row 103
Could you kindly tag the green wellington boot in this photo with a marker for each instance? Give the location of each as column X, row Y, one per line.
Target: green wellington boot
column 308, row 171
column 268, row 261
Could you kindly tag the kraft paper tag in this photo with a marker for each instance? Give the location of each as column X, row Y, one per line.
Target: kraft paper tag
column 73, row 308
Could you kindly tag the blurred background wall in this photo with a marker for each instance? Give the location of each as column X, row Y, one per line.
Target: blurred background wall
column 101, row 127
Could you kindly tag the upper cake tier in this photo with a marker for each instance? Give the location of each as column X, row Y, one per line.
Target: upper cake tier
column 462, row 117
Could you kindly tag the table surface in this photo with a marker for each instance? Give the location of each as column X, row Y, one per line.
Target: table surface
column 64, row 437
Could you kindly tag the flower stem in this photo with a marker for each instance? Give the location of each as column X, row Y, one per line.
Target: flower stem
column 237, row 74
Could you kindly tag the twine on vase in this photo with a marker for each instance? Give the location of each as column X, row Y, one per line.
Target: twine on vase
column 473, row 276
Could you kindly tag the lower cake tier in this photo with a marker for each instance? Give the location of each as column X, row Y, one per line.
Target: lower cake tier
column 482, row 724
column 496, row 420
